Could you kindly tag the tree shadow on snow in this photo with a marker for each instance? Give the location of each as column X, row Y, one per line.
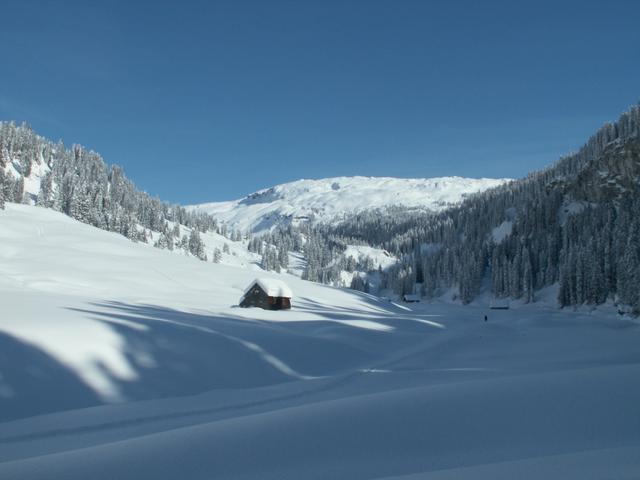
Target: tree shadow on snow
column 177, row 353
column 194, row 351
column 32, row 382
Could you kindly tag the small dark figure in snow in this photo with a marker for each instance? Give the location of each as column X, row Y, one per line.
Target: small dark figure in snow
column 485, row 318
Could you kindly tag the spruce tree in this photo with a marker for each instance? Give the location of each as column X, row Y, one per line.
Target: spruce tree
column 196, row 246
column 2, row 180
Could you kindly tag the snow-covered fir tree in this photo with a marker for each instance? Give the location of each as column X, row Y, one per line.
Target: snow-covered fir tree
column 78, row 182
column 574, row 224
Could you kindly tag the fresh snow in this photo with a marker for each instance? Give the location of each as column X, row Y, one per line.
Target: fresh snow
column 381, row 258
column 272, row 287
column 118, row 360
column 235, row 254
column 333, row 198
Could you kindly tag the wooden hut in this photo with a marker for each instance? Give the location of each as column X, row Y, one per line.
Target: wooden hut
column 499, row 304
column 267, row 293
column 410, row 298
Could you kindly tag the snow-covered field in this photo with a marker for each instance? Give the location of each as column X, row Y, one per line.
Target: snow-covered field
column 121, row 361
column 333, row 198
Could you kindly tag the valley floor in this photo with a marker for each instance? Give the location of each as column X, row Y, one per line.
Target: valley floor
column 118, row 360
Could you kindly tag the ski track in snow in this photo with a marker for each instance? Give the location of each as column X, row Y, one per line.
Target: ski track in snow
column 122, row 361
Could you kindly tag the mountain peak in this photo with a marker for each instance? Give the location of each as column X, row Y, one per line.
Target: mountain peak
column 333, row 198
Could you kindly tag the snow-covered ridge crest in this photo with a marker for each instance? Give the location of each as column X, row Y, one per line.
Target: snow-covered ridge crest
column 332, row 198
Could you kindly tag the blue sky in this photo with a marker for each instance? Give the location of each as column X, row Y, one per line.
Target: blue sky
column 203, row 101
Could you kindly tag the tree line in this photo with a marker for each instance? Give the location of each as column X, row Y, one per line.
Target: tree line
column 575, row 224
column 78, row 183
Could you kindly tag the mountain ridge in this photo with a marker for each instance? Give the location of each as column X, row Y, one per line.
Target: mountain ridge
column 332, row 198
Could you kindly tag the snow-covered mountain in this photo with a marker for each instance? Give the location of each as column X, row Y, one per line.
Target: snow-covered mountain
column 333, row 198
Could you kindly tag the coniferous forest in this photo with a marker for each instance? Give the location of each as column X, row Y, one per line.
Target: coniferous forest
column 78, row 183
column 575, row 224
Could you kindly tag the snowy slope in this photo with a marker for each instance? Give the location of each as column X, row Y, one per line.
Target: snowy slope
column 380, row 258
column 232, row 252
column 331, row 198
column 32, row 182
column 118, row 360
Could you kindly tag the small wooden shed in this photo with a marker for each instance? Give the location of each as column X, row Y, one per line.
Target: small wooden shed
column 267, row 293
column 499, row 304
column 410, row 298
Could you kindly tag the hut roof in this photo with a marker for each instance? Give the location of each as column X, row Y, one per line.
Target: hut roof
column 272, row 287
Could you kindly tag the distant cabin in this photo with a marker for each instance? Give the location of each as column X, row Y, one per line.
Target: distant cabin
column 499, row 304
column 267, row 293
column 410, row 298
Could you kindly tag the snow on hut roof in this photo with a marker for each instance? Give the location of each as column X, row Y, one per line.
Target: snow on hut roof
column 272, row 286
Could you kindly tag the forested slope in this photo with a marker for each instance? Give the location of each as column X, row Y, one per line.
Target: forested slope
column 79, row 183
column 576, row 223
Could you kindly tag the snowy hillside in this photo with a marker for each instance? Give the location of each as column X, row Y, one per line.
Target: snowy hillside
column 119, row 360
column 331, row 198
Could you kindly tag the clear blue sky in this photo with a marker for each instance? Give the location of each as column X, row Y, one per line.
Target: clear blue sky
column 203, row 101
